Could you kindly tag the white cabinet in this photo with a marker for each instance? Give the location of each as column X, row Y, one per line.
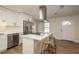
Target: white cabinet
column 3, row 42
column 28, row 46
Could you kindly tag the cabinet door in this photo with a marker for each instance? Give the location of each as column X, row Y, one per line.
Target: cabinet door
column 10, row 41
column 15, row 39
column 3, row 43
column 29, row 27
column 25, row 27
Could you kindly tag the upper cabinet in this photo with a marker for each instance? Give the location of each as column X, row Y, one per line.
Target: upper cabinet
column 30, row 20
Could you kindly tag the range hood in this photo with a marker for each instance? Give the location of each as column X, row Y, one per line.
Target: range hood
column 43, row 13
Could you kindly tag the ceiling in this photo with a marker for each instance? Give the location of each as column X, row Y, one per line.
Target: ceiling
column 52, row 10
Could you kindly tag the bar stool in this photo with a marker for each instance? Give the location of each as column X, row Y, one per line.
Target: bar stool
column 49, row 45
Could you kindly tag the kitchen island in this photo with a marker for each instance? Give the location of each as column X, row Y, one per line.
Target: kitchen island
column 31, row 43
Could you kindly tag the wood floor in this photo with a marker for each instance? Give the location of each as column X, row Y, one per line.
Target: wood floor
column 63, row 47
column 14, row 50
column 67, row 47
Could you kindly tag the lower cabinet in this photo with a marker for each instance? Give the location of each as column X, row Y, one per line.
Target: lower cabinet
column 13, row 40
column 3, row 43
column 8, row 41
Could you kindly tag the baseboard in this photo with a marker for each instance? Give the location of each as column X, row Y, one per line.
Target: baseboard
column 76, row 41
column 69, row 40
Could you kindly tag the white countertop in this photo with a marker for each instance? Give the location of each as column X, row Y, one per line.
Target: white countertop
column 3, row 33
column 36, row 37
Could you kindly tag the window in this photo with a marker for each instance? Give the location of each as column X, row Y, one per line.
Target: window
column 46, row 27
column 66, row 23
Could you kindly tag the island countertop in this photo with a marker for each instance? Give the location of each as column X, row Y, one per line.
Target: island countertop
column 37, row 37
column 32, row 42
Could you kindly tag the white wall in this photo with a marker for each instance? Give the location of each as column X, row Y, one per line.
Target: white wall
column 40, row 26
column 11, row 17
column 56, row 26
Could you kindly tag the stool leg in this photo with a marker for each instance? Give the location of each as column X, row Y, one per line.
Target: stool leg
column 41, row 49
column 45, row 48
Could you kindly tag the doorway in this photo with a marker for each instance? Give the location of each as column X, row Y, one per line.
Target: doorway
column 67, row 30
